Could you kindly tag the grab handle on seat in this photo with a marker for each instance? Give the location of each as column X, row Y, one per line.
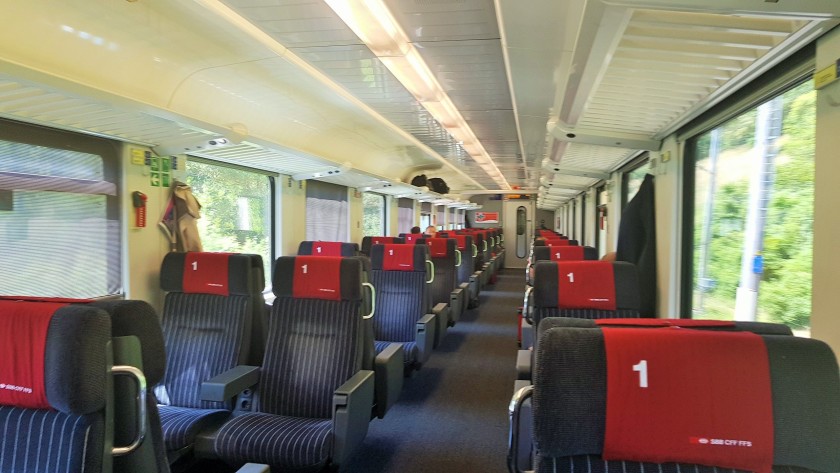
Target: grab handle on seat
column 140, row 379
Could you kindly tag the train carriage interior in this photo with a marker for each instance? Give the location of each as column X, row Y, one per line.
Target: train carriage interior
column 419, row 236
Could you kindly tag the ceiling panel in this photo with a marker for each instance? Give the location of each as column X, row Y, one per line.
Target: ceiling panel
column 667, row 62
column 445, row 20
column 458, row 39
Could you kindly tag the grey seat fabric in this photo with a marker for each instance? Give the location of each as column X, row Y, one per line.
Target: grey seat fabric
column 70, row 431
column 569, row 405
column 314, row 346
column 205, row 334
column 402, row 296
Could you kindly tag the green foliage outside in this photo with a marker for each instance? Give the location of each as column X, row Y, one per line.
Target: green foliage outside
column 373, row 216
column 785, row 289
column 235, row 209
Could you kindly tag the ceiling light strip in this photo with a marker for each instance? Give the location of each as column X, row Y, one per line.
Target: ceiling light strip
column 374, row 24
column 225, row 12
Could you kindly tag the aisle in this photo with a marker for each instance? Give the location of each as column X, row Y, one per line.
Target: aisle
column 452, row 415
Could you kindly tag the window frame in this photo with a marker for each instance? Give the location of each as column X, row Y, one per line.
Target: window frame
column 785, row 76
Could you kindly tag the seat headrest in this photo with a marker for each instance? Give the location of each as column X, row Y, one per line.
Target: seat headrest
column 416, row 238
column 441, row 247
column 369, row 241
column 565, row 253
column 318, row 277
column 139, row 319
column 570, row 405
column 54, row 356
column 222, row 274
column 761, row 328
column 585, row 287
column 328, row 248
column 399, row 257
column 464, row 243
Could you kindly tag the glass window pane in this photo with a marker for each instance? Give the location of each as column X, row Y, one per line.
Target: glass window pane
column 236, row 209
column 56, row 243
column 405, row 215
column 633, row 180
column 753, row 207
column 373, row 216
column 327, row 214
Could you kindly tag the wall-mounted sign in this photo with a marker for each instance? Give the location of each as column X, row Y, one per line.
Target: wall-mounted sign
column 487, row 217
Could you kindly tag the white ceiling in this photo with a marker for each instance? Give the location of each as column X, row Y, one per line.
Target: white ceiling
column 300, row 92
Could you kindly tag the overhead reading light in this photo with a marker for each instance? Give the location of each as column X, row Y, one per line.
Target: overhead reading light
column 376, row 27
column 326, row 172
column 192, row 144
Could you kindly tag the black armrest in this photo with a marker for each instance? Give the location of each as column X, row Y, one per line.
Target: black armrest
column 388, row 369
column 441, row 311
column 226, row 385
column 425, row 337
column 351, row 414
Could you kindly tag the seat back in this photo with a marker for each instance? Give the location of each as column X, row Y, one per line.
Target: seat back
column 399, row 274
column 207, row 321
column 479, row 241
column 328, row 248
column 416, row 238
column 755, row 406
column 564, row 253
column 137, row 319
column 315, row 335
column 467, row 249
column 368, row 241
column 442, row 252
column 56, row 397
column 585, row 289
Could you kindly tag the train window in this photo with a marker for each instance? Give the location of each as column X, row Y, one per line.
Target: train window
column 327, row 215
column 59, row 214
column 425, row 214
column 753, row 213
column 441, row 215
column 601, row 221
column 373, row 216
column 632, row 179
column 405, row 215
column 236, row 208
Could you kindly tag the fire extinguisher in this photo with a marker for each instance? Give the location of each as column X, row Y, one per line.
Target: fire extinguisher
column 139, row 200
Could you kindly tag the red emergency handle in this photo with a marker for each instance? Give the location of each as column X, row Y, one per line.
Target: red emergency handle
column 139, row 200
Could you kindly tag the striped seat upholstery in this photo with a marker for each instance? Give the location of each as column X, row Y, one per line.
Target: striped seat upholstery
column 402, row 298
column 409, row 349
column 68, row 434
column 570, row 407
column 313, row 347
column 205, row 335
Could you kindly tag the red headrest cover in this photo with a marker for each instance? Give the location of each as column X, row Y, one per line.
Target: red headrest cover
column 658, row 409
column 206, row 273
column 437, row 247
column 398, row 257
column 586, row 285
column 23, row 341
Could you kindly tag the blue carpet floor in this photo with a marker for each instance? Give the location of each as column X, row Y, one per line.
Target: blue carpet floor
column 452, row 415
